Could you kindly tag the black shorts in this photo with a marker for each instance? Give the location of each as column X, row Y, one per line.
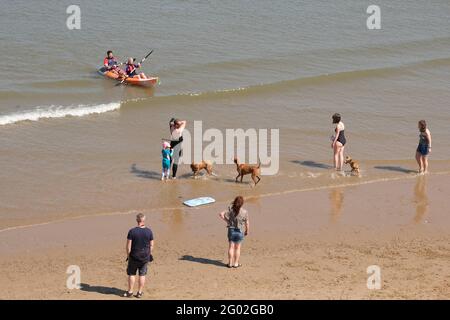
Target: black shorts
column 135, row 266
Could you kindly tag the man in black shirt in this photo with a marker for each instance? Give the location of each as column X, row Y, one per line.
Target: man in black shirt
column 139, row 254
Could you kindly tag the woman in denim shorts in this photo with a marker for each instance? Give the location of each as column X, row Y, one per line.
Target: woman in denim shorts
column 238, row 226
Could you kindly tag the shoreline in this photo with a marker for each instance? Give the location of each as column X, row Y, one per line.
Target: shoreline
column 320, row 240
column 407, row 174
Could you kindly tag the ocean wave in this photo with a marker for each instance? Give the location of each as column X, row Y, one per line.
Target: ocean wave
column 314, row 80
column 46, row 112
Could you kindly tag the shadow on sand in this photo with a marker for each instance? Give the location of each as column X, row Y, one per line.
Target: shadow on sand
column 312, row 164
column 203, row 261
column 144, row 173
column 395, row 168
column 102, row 290
column 147, row 174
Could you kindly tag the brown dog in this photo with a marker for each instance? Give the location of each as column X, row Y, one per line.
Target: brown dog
column 204, row 165
column 354, row 164
column 244, row 169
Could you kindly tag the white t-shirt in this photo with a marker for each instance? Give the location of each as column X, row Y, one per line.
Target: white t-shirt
column 176, row 134
column 340, row 126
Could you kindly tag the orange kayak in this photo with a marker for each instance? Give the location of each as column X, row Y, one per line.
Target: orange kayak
column 151, row 81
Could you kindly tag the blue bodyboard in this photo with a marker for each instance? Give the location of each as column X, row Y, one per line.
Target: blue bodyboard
column 199, row 201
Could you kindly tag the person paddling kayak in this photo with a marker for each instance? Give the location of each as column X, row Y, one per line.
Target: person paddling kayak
column 131, row 69
column 111, row 64
column 113, row 70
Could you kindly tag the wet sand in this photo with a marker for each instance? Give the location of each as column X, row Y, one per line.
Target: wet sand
column 303, row 245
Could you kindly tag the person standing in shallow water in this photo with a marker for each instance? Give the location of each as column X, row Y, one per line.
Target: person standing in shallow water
column 238, row 225
column 424, row 147
column 176, row 139
column 338, row 142
column 166, row 158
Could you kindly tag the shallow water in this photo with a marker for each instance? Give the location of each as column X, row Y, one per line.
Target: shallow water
column 74, row 144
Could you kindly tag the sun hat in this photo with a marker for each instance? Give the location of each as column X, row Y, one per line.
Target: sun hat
column 166, row 144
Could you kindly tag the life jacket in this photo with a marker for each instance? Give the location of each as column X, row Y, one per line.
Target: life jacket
column 110, row 61
column 131, row 69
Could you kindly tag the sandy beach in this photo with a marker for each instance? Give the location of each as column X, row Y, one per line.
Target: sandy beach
column 81, row 152
column 303, row 245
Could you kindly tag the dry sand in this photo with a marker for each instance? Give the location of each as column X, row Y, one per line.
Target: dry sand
column 302, row 245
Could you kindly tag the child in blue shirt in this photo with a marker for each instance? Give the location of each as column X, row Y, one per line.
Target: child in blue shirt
column 166, row 158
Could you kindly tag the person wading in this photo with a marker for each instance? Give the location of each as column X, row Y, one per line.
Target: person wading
column 176, row 127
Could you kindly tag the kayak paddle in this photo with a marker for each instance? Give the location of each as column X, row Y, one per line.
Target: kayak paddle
column 140, row 63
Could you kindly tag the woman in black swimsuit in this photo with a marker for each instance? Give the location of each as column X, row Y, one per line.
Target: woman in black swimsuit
column 424, row 147
column 339, row 142
column 176, row 139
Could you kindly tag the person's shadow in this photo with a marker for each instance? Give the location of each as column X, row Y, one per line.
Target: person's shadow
column 312, row 164
column 203, row 260
column 395, row 168
column 145, row 173
column 102, row 290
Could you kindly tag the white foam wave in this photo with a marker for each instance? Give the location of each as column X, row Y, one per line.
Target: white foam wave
column 57, row 112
